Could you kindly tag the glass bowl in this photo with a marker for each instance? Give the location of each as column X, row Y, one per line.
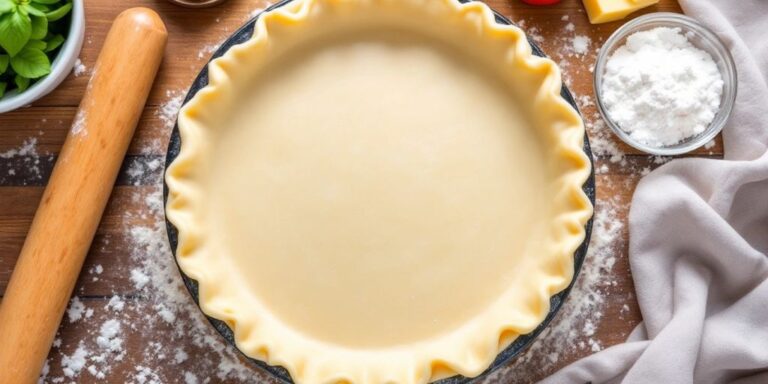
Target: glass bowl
column 702, row 38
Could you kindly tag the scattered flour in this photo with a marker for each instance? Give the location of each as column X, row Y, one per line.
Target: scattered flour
column 92, row 271
column 207, row 50
column 109, row 336
column 180, row 356
column 138, row 277
column 78, row 125
column 27, row 148
column 116, row 304
column 603, row 142
column 23, row 162
column 95, row 372
column 145, row 375
column 44, row 373
column 190, row 378
column 661, row 89
column 169, row 109
column 72, row 365
column 580, row 44
column 535, row 35
column 79, row 69
column 144, row 172
column 76, row 310
column 165, row 313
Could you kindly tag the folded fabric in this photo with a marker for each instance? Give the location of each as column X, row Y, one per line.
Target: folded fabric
column 698, row 240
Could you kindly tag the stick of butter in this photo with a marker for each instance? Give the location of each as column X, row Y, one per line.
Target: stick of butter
column 603, row 11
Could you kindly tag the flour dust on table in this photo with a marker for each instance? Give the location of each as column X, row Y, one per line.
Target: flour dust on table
column 23, row 163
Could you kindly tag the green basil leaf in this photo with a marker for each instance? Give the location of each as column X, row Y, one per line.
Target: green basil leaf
column 39, row 27
column 31, row 63
column 42, row 7
column 4, row 60
column 15, row 29
column 7, row 6
column 36, row 44
column 22, row 83
column 54, row 42
column 46, row 1
column 58, row 13
column 2, row 88
column 33, row 11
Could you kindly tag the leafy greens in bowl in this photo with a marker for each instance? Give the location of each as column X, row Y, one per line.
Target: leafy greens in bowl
column 31, row 33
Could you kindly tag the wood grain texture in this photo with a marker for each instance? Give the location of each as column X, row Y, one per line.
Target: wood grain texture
column 193, row 34
column 75, row 198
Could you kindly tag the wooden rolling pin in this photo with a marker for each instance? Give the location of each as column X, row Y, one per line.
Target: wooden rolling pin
column 77, row 193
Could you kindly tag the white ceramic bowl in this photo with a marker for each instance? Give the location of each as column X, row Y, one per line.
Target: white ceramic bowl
column 701, row 37
column 60, row 68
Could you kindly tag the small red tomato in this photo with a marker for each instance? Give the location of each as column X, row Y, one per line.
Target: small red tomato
column 541, row 2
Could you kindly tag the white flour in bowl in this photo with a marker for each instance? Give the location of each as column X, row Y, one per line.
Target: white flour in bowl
column 661, row 89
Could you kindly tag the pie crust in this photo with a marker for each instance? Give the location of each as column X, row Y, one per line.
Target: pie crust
column 379, row 191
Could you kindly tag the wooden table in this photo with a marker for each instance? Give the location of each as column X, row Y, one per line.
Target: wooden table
column 149, row 347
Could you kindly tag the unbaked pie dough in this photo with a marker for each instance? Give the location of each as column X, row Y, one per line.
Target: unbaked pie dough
column 379, row 191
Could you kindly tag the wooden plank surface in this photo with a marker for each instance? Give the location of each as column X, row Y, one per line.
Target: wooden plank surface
column 180, row 347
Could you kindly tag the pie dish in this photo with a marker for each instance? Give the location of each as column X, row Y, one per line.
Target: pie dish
column 350, row 163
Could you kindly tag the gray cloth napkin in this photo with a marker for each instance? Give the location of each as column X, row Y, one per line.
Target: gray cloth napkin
column 698, row 240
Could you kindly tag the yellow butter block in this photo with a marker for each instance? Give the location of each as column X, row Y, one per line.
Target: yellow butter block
column 603, row 11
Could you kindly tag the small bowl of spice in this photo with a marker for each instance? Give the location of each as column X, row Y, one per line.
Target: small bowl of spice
column 665, row 84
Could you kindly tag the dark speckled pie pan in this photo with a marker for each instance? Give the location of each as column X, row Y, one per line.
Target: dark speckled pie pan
column 518, row 346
